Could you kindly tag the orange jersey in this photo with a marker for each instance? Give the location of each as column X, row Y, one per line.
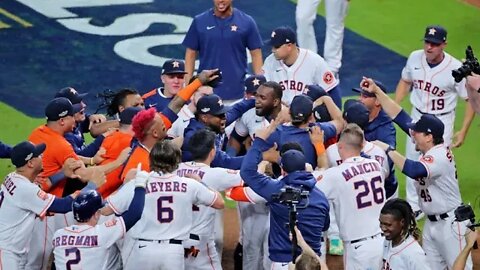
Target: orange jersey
column 58, row 150
column 113, row 144
column 139, row 155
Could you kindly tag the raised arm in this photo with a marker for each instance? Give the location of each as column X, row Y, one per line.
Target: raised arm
column 403, row 88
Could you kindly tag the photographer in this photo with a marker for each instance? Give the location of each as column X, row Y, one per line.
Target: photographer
column 313, row 219
column 473, row 88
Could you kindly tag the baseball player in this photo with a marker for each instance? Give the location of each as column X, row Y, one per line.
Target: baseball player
column 21, row 202
column 434, row 91
column 401, row 249
column 356, row 189
column 202, row 147
column 294, row 68
column 85, row 244
column 335, row 13
column 5, row 150
column 436, row 181
column 173, row 73
column 167, row 217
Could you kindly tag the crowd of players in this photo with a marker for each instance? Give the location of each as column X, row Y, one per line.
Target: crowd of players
column 145, row 193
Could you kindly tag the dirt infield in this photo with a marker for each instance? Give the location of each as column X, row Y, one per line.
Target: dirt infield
column 473, row 2
column 231, row 238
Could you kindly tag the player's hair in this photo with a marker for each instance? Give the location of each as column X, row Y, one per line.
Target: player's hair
column 142, row 122
column 401, row 209
column 165, row 157
column 437, row 141
column 277, row 88
column 353, row 136
column 119, row 99
column 307, row 262
column 201, row 143
column 289, row 146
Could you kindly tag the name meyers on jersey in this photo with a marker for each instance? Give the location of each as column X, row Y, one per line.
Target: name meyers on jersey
column 171, row 186
column 427, row 86
column 360, row 169
column 76, row 240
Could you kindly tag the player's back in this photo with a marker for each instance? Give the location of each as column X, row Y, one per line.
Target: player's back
column 84, row 246
column 218, row 179
column 356, row 188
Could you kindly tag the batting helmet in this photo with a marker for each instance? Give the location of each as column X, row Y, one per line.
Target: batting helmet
column 86, row 204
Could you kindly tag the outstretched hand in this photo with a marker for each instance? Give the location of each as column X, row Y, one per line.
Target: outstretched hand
column 141, row 177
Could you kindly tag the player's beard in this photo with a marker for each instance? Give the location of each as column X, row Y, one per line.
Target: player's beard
column 264, row 111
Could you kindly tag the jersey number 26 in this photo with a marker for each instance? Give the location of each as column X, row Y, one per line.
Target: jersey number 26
column 375, row 186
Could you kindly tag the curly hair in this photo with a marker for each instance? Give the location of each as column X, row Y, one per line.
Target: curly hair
column 118, row 99
column 401, row 209
column 142, row 122
column 165, row 157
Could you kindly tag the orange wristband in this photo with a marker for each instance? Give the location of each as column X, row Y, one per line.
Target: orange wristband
column 319, row 148
column 187, row 92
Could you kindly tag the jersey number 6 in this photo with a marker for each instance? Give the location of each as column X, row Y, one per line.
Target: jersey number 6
column 378, row 196
column 164, row 213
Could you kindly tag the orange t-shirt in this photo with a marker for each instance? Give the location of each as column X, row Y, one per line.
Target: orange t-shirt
column 57, row 151
column 113, row 144
column 139, row 154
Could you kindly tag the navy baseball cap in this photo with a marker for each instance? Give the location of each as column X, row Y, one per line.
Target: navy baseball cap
column 25, row 151
column 314, row 91
column 355, row 112
column 71, row 94
column 301, row 108
column 282, row 35
column 253, row 82
column 211, row 104
column 321, row 113
column 435, row 34
column 429, row 124
column 173, row 66
column 127, row 115
column 58, row 108
column 293, row 160
column 368, row 94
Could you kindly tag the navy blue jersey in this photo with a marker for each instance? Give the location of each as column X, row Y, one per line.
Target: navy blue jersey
column 311, row 221
column 157, row 99
column 5, row 150
column 76, row 139
column 221, row 43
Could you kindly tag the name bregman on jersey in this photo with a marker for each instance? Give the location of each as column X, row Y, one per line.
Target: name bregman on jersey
column 360, row 169
column 428, row 87
column 76, row 240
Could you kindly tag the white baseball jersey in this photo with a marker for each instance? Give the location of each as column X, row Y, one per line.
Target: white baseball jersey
column 84, row 246
column 21, row 202
column 309, row 68
column 167, row 213
column 249, row 123
column 408, row 255
column 370, row 149
column 434, row 89
column 438, row 192
column 184, row 116
column 356, row 189
column 218, row 179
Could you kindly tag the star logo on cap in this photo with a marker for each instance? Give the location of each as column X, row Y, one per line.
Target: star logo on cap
column 205, row 110
column 234, row 28
column 273, row 34
column 176, row 64
column 220, row 102
column 73, row 91
column 29, row 157
column 305, row 91
column 432, row 31
column 256, row 82
column 62, row 114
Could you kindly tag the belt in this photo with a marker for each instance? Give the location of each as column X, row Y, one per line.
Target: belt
column 437, row 217
column 439, row 114
column 171, row 241
column 365, row 238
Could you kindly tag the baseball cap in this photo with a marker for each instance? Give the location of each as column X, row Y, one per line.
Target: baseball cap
column 253, row 82
column 58, row 108
column 25, row 151
column 301, row 108
column 355, row 112
column 314, row 91
column 282, row 35
column 321, row 113
column 173, row 66
column 368, row 94
column 435, row 34
column 429, row 124
column 74, row 97
column 127, row 115
column 293, row 160
column 211, row 104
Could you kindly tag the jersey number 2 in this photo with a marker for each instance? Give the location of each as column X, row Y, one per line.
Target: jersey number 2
column 75, row 260
column 164, row 213
column 378, row 196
